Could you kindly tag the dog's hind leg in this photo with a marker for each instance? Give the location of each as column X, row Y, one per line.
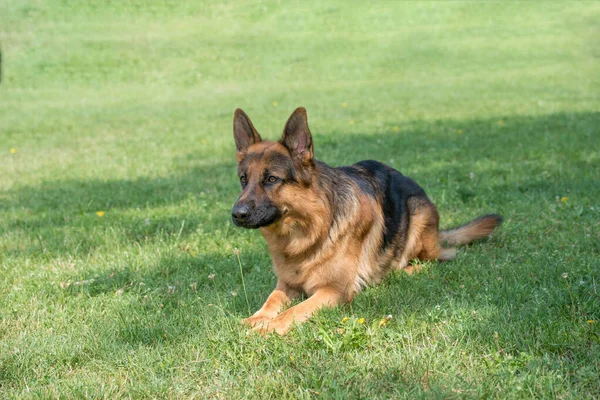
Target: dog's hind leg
column 422, row 241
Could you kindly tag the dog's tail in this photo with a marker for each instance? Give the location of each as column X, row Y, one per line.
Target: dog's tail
column 477, row 229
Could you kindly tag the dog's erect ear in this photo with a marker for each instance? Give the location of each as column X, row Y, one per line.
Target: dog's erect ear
column 297, row 138
column 244, row 133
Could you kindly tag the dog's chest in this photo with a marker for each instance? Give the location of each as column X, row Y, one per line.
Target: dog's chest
column 293, row 274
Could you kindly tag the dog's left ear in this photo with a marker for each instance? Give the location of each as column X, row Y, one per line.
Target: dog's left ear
column 297, row 138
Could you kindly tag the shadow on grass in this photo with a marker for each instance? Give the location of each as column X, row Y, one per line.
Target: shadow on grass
column 88, row 196
column 59, row 218
column 479, row 163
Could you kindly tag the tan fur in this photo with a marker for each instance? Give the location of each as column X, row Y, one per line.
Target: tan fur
column 367, row 271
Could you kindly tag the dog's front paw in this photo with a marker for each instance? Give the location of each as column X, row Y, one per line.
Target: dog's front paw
column 281, row 326
column 257, row 320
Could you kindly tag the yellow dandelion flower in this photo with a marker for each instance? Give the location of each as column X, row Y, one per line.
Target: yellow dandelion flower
column 361, row 321
column 13, row 151
column 345, row 319
column 344, row 104
column 591, row 321
column 564, row 199
column 500, row 122
column 459, row 131
column 396, row 129
column 100, row 213
column 275, row 104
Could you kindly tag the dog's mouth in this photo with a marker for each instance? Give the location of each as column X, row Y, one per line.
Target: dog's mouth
column 260, row 219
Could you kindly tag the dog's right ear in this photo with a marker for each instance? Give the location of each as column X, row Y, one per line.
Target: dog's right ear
column 244, row 133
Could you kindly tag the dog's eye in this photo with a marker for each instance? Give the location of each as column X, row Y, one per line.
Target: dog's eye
column 243, row 179
column 273, row 179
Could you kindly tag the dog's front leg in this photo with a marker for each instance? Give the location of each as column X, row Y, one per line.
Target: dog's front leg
column 277, row 300
column 324, row 297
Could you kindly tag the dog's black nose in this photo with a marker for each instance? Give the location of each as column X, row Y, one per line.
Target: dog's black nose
column 240, row 212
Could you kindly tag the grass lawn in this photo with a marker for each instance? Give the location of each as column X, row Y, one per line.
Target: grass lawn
column 117, row 177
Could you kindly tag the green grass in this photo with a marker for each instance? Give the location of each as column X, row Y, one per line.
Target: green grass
column 126, row 108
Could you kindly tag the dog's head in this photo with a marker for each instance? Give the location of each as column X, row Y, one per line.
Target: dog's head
column 270, row 172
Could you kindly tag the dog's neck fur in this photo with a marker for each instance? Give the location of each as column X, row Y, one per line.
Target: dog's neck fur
column 296, row 234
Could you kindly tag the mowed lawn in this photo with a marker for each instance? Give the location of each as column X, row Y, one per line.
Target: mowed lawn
column 118, row 269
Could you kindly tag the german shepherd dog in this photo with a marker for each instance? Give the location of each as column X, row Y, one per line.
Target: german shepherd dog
column 332, row 231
